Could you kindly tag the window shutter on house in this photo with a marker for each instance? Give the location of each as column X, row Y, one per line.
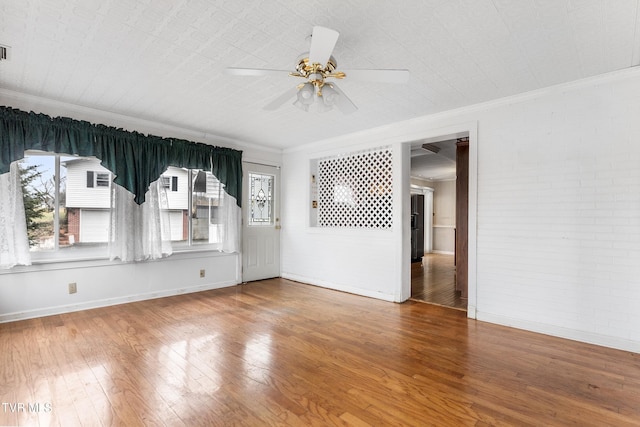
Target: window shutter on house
column 89, row 179
column 174, row 183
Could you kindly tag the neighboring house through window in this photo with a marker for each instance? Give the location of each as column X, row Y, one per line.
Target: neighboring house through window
column 83, row 194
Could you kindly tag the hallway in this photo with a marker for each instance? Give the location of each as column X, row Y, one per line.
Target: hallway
column 433, row 281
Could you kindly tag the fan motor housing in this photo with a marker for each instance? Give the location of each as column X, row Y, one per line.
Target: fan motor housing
column 305, row 68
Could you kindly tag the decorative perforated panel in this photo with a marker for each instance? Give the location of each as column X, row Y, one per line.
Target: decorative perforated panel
column 355, row 190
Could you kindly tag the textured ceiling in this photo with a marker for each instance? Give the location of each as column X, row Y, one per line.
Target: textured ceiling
column 435, row 164
column 163, row 60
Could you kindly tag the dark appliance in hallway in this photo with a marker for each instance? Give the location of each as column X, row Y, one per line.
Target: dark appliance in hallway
column 417, row 227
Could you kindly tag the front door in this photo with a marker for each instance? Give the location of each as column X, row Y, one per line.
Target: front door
column 261, row 222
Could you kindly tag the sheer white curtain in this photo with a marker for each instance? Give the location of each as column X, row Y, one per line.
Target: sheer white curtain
column 230, row 217
column 14, row 242
column 139, row 232
column 227, row 218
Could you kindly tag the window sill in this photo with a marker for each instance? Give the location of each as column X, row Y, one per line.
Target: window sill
column 89, row 261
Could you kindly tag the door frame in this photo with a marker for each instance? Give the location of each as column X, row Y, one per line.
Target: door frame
column 467, row 129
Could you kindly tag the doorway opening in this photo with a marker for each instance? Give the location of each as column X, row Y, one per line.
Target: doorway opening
column 439, row 220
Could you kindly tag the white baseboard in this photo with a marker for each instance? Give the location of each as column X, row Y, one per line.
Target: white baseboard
column 561, row 332
column 472, row 313
column 338, row 287
column 49, row 311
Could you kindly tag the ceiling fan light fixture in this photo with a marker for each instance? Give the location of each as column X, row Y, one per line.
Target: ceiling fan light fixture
column 329, row 94
column 306, row 93
column 322, row 105
column 305, row 97
column 310, row 100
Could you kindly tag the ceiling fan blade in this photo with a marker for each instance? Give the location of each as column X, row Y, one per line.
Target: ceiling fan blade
column 323, row 40
column 253, row 72
column 383, row 76
column 277, row 103
column 343, row 102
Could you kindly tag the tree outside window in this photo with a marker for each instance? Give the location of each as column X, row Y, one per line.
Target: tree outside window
column 39, row 196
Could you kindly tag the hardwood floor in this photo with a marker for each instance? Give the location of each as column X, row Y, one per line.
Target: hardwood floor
column 433, row 281
column 278, row 352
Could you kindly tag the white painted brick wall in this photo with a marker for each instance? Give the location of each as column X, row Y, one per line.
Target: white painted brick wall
column 559, row 210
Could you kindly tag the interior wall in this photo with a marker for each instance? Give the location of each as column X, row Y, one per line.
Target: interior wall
column 42, row 289
column 444, row 218
column 335, row 257
column 558, row 196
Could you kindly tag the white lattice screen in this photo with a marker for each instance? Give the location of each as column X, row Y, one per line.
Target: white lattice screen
column 356, row 190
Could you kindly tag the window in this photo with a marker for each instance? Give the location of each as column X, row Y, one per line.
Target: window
column 68, row 205
column 137, row 229
column 102, row 179
column 169, row 182
column 98, row 179
column 206, row 199
column 66, row 213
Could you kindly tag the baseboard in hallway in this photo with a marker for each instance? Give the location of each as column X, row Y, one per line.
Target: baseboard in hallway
column 422, row 301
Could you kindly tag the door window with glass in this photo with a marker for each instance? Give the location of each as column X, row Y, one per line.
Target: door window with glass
column 260, row 199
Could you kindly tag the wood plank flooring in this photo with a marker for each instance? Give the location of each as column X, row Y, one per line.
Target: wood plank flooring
column 278, row 352
column 433, row 281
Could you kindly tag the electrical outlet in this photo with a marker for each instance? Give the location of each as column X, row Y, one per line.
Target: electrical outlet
column 201, row 273
column 73, row 288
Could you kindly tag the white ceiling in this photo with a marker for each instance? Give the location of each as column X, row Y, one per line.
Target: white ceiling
column 434, row 165
column 163, row 60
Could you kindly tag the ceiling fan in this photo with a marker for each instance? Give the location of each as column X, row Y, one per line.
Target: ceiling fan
column 318, row 67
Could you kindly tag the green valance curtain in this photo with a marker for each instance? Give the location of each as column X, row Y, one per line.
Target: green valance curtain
column 135, row 159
